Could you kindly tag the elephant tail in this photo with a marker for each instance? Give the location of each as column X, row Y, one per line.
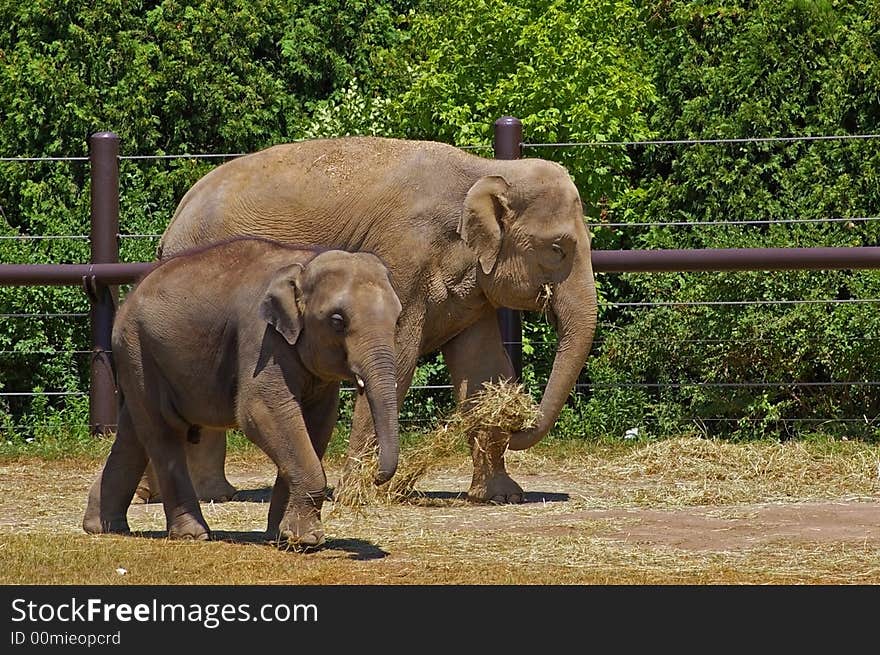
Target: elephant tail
column 120, row 396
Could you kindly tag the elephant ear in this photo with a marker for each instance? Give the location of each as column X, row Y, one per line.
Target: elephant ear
column 485, row 207
column 280, row 307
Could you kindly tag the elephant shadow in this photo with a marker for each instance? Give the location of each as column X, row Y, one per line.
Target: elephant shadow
column 261, row 495
column 264, row 495
column 358, row 549
column 529, row 497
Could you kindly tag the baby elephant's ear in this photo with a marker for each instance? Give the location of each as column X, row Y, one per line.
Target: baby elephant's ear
column 280, row 306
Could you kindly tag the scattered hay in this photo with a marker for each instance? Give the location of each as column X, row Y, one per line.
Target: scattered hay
column 687, row 471
column 495, row 411
column 41, row 541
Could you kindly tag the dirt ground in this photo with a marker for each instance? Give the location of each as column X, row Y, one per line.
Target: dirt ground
column 579, row 524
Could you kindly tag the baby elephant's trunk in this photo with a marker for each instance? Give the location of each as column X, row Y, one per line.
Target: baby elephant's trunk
column 380, row 382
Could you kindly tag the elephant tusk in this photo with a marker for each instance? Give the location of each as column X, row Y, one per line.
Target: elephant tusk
column 360, row 381
column 545, row 295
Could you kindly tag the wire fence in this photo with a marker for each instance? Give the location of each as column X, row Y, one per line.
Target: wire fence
column 445, row 390
column 695, row 142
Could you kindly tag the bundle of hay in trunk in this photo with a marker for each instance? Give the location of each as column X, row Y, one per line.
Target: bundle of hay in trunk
column 497, row 410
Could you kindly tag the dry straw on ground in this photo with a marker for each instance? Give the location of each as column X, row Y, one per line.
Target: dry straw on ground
column 497, row 410
column 676, row 511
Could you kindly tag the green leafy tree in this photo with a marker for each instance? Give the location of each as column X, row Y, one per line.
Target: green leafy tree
column 735, row 70
column 571, row 71
column 170, row 78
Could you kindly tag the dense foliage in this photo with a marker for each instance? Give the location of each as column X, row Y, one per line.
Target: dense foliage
column 735, row 70
column 228, row 76
column 169, row 77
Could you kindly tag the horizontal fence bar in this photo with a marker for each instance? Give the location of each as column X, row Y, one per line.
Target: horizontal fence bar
column 580, row 385
column 47, row 315
column 561, row 144
column 766, row 419
column 433, row 387
column 592, row 226
column 780, row 221
column 734, row 259
column 738, row 303
column 47, row 237
column 41, row 159
column 699, row 142
column 72, row 274
column 220, row 155
column 439, row 419
column 71, row 237
column 720, row 385
column 541, row 345
column 604, row 261
column 45, row 352
column 42, row 393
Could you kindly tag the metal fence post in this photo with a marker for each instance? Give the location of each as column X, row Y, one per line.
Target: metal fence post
column 104, row 159
column 508, row 145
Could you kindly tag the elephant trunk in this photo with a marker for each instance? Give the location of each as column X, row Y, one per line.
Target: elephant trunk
column 379, row 374
column 573, row 307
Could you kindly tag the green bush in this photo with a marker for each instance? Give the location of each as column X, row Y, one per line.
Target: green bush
column 734, row 70
column 170, row 78
column 229, row 76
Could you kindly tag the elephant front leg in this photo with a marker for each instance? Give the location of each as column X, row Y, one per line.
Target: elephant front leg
column 491, row 482
column 473, row 357
column 278, row 428
column 296, row 521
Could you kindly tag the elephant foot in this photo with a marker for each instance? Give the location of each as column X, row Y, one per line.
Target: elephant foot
column 298, row 534
column 500, row 489
column 212, row 491
column 94, row 524
column 215, row 491
column 491, row 483
column 189, row 527
column 192, row 536
column 144, row 494
column 191, row 530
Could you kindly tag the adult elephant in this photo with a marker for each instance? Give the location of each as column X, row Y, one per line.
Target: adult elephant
column 461, row 234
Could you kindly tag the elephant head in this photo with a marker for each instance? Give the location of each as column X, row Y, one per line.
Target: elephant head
column 526, row 228
column 340, row 312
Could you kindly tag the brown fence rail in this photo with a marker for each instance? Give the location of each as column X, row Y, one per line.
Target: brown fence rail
column 100, row 278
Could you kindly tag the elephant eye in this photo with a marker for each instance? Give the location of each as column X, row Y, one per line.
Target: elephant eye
column 558, row 251
column 337, row 322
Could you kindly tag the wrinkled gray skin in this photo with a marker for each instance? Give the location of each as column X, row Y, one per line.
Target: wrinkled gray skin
column 254, row 334
column 462, row 236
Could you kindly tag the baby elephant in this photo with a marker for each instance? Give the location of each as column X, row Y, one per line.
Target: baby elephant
column 254, row 334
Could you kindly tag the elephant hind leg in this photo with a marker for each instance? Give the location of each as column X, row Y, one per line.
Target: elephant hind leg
column 206, row 462
column 165, row 446
column 112, row 491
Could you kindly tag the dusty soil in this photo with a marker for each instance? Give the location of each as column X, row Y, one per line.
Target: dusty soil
column 576, row 526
